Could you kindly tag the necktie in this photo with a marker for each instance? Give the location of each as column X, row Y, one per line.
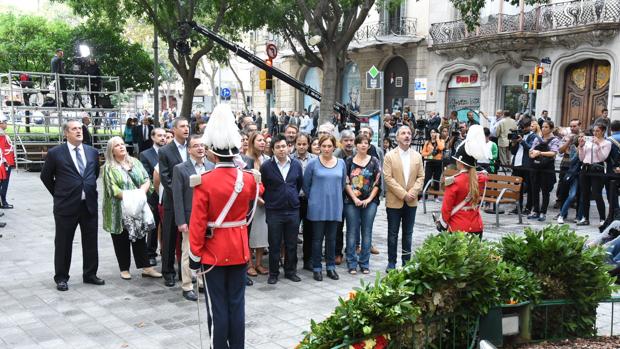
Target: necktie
column 145, row 133
column 80, row 161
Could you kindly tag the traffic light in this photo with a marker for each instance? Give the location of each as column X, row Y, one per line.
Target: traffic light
column 527, row 82
column 265, row 77
column 538, row 77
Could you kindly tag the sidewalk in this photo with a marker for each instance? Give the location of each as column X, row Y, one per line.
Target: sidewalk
column 143, row 313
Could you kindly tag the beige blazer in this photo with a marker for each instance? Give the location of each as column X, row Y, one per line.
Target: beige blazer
column 396, row 188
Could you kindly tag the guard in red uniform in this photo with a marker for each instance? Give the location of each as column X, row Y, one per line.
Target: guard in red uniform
column 8, row 161
column 218, row 234
column 460, row 210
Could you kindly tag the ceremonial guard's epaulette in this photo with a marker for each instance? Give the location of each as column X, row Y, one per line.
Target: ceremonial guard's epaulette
column 205, row 172
column 451, row 179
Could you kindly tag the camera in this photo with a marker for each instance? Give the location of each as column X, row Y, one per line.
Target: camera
column 79, row 65
column 515, row 134
column 421, row 124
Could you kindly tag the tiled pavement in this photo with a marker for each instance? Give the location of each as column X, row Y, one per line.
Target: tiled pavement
column 143, row 313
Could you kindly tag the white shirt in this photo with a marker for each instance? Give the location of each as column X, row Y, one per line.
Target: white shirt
column 405, row 158
column 199, row 168
column 182, row 150
column 283, row 167
column 74, row 158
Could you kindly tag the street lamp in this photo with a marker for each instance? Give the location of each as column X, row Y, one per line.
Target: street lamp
column 84, row 50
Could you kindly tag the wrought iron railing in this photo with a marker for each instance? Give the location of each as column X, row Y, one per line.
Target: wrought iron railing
column 544, row 18
column 402, row 27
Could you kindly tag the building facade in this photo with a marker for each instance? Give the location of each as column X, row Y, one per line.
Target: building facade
column 479, row 69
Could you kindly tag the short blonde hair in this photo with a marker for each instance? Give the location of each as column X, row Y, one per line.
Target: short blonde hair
column 109, row 150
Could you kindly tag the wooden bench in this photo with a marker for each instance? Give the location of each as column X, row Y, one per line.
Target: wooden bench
column 500, row 189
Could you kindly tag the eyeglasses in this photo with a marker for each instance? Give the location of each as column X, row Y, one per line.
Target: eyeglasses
column 199, row 145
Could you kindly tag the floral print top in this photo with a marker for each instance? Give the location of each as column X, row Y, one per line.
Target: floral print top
column 363, row 178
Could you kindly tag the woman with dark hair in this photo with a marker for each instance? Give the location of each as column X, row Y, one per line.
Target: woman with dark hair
column 128, row 134
column 542, row 157
column 432, row 152
column 593, row 151
column 362, row 188
column 324, row 181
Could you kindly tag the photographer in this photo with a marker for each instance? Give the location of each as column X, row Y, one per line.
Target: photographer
column 520, row 145
column 58, row 67
column 92, row 69
column 432, row 152
column 456, row 137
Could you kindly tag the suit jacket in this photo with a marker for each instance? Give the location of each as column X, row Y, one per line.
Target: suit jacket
column 396, row 188
column 182, row 193
column 138, row 138
column 149, row 160
column 64, row 182
column 169, row 157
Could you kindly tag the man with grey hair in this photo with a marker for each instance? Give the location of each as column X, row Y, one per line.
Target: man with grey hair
column 70, row 174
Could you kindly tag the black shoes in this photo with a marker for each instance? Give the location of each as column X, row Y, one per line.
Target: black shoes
column 2, row 224
column 332, row 275
column 273, row 279
column 169, row 281
column 317, row 275
column 190, row 295
column 248, row 281
column 94, row 280
column 6, row 206
column 293, row 277
column 308, row 266
column 62, row 286
column 201, row 290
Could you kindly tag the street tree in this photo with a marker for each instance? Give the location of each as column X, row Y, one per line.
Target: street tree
column 335, row 22
column 227, row 17
column 470, row 9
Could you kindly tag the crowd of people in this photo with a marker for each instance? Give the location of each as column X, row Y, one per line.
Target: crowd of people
column 319, row 179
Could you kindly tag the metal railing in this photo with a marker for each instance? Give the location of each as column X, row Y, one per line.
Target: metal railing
column 402, row 27
column 35, row 104
column 545, row 18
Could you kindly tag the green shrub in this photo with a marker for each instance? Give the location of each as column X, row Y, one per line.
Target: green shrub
column 565, row 270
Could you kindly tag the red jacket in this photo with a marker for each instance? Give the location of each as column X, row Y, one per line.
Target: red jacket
column 8, row 153
column 466, row 220
column 228, row 246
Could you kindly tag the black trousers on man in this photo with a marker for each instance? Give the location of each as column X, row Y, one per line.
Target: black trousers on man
column 168, row 244
column 151, row 238
column 307, row 231
column 63, row 243
column 283, row 226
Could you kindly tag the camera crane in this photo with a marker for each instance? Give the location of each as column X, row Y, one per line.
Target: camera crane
column 183, row 46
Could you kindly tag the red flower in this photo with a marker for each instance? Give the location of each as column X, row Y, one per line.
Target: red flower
column 359, row 345
column 382, row 342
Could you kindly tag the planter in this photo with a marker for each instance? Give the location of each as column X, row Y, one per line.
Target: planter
column 507, row 323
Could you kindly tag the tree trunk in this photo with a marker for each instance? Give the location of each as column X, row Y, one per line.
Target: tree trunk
column 245, row 103
column 330, row 92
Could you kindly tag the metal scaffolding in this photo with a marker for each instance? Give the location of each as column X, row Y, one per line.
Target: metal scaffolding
column 37, row 104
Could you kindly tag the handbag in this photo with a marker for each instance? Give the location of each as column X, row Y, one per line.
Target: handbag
column 540, row 161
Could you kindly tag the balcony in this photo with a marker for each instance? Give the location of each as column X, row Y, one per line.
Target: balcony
column 404, row 27
column 568, row 23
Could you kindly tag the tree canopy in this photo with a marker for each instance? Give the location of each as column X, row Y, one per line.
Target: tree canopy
column 29, row 43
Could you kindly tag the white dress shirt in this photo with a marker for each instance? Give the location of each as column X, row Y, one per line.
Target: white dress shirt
column 74, row 158
column 199, row 168
column 405, row 158
column 182, row 150
column 283, row 167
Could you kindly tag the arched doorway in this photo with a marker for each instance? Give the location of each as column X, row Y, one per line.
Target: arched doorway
column 312, row 79
column 586, row 91
column 463, row 94
column 396, row 84
column 351, row 85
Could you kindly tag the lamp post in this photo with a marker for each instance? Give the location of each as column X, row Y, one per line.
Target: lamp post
column 155, row 69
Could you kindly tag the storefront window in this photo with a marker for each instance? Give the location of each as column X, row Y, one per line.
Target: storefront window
column 312, row 79
column 464, row 94
column 514, row 99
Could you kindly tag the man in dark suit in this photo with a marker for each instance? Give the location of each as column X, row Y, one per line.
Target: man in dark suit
column 142, row 134
column 171, row 155
column 182, row 192
column 88, row 138
column 149, row 159
column 70, row 174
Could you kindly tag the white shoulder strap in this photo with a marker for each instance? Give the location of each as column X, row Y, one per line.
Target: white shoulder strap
column 237, row 189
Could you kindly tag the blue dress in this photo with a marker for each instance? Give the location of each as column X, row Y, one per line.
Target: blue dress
column 325, row 187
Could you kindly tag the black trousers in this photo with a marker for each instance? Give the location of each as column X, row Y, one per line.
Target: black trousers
column 226, row 310
column 63, row 243
column 526, row 186
column 542, row 182
column 340, row 236
column 563, row 187
column 151, row 239
column 307, row 231
column 168, row 244
column 282, row 227
column 121, row 244
column 591, row 183
column 432, row 170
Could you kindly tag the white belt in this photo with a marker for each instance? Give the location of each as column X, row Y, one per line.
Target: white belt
column 227, row 224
